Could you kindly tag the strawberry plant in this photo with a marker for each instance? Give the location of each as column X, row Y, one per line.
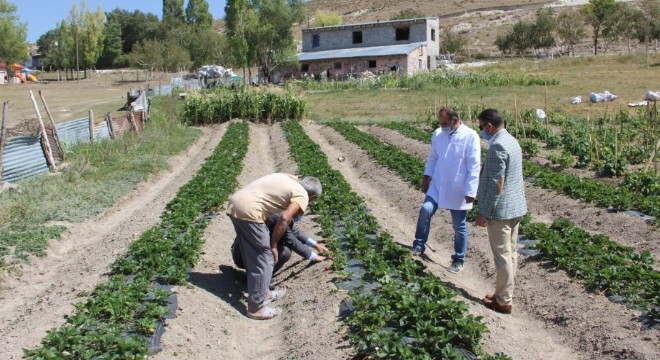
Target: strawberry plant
column 410, row 313
column 121, row 314
column 589, row 190
column 408, row 166
column 604, row 265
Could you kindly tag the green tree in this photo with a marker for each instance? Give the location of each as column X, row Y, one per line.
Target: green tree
column 157, row 55
column 503, row 42
column 544, row 29
column 46, row 42
column 650, row 29
column 519, row 39
column 241, row 22
column 198, row 15
column 624, row 24
column 13, row 44
column 83, row 35
column 113, row 53
column 408, row 13
column 209, row 47
column 173, row 14
column 274, row 44
column 326, row 18
column 596, row 12
column 570, row 29
column 135, row 27
column 451, row 42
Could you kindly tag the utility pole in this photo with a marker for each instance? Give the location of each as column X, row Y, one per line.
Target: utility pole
column 77, row 64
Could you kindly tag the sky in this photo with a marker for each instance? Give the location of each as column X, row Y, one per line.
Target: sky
column 44, row 15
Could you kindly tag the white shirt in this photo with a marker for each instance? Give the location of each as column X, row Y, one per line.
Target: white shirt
column 453, row 165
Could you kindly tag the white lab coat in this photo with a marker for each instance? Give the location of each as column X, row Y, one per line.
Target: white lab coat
column 453, row 165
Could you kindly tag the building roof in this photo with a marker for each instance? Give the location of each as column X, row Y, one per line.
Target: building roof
column 372, row 23
column 403, row 49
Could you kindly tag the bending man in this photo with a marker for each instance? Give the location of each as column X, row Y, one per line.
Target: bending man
column 293, row 239
column 248, row 210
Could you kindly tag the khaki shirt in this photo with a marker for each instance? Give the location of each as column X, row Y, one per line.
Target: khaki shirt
column 266, row 196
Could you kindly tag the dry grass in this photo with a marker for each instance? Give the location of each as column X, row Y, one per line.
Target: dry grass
column 628, row 77
column 71, row 100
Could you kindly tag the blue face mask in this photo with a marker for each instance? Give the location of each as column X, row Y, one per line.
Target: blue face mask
column 486, row 136
column 297, row 218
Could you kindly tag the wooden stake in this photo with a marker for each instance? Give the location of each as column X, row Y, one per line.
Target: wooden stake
column 3, row 131
column 132, row 119
column 91, row 126
column 44, row 136
column 515, row 110
column 112, row 129
column 469, row 112
column 616, row 150
column 58, row 141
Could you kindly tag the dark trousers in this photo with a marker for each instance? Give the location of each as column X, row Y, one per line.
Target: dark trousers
column 254, row 241
column 284, row 255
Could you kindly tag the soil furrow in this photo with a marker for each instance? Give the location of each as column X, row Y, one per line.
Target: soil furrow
column 211, row 321
column 45, row 291
column 548, row 205
column 554, row 317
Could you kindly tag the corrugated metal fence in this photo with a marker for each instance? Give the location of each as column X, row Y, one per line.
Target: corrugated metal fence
column 24, row 156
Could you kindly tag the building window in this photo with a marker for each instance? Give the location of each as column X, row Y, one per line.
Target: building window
column 432, row 34
column 402, row 34
column 372, row 64
column 304, row 68
column 316, row 40
column 357, row 37
column 337, row 66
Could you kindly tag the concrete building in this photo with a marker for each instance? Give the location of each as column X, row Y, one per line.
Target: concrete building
column 404, row 46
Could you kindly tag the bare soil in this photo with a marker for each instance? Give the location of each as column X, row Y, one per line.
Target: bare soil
column 211, row 321
column 547, row 205
column 42, row 293
column 554, row 317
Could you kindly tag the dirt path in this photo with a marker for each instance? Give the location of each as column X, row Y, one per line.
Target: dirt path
column 554, row 318
column 43, row 294
column 547, row 205
column 211, row 321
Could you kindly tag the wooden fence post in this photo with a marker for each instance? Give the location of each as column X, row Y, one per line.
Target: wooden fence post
column 49, row 150
column 58, row 141
column 91, row 126
column 132, row 120
column 112, row 129
column 3, row 133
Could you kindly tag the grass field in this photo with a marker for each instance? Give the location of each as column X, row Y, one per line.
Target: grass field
column 628, row 77
column 72, row 100
column 97, row 176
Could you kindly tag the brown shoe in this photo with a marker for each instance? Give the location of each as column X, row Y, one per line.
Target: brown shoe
column 495, row 306
column 490, row 297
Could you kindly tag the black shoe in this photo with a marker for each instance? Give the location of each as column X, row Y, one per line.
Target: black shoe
column 456, row 266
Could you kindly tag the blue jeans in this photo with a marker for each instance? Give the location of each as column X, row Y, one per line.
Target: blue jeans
column 459, row 223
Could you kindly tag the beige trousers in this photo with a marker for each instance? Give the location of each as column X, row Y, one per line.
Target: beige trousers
column 503, row 235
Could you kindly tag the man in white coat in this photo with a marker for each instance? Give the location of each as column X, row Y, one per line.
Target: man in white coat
column 450, row 182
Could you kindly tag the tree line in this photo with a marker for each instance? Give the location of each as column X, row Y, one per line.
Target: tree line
column 257, row 33
column 610, row 22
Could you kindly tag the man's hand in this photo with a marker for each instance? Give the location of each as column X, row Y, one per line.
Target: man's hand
column 481, row 221
column 275, row 254
column 425, row 184
column 319, row 258
column 321, row 249
column 469, row 199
